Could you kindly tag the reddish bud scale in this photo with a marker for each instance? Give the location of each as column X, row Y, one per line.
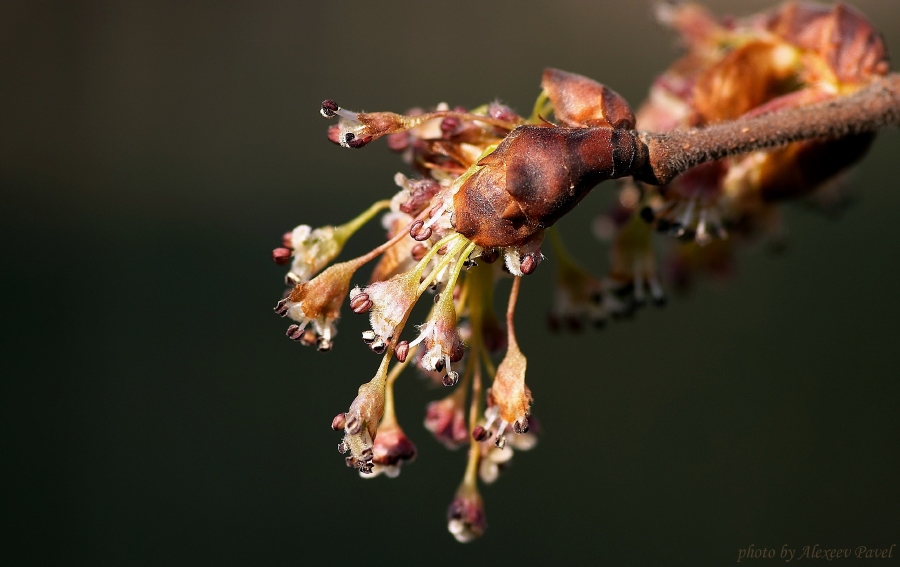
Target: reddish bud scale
column 281, row 256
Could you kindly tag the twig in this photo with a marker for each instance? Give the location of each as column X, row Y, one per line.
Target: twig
column 867, row 110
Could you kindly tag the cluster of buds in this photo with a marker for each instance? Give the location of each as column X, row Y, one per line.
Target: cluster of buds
column 488, row 185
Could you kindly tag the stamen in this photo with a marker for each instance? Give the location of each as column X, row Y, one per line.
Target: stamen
column 281, row 256
column 329, row 108
column 361, row 303
column 295, row 332
column 402, row 351
column 451, row 378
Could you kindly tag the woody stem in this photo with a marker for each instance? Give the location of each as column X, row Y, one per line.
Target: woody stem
column 867, row 110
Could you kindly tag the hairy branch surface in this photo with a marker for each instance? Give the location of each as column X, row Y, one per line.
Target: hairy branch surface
column 867, row 110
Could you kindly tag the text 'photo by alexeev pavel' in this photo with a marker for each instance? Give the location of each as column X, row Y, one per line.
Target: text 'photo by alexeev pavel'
column 587, row 282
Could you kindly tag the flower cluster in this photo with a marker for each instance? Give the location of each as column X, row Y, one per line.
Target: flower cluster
column 487, row 186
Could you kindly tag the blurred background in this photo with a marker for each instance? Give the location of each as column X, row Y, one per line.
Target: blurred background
column 154, row 413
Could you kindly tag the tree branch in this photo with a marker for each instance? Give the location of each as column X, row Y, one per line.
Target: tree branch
column 867, row 110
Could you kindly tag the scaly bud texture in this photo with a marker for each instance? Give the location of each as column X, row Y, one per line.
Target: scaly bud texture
column 486, row 187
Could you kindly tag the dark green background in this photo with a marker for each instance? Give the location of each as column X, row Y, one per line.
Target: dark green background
column 151, row 155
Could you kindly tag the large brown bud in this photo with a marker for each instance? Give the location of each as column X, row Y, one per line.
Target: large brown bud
column 537, row 175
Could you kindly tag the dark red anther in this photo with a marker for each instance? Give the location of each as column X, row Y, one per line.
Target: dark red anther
column 329, row 108
column 418, row 252
column 529, row 264
column 450, row 378
column 419, row 231
column 502, row 112
column 294, row 333
column 420, row 193
column 281, row 256
column 361, row 303
column 479, row 433
column 402, row 351
column 353, row 425
column 287, row 239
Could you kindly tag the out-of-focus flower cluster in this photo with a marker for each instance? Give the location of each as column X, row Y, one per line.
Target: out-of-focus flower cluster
column 794, row 55
column 487, row 184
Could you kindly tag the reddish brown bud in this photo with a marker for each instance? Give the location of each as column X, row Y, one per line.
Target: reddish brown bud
column 281, row 256
column 537, row 175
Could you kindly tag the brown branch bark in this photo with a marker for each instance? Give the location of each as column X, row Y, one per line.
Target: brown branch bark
column 867, row 110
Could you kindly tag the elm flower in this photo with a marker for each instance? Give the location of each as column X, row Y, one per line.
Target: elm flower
column 313, row 249
column 495, row 459
column 318, row 303
column 466, row 519
column 360, row 423
column 578, row 294
column 389, row 302
column 441, row 337
column 391, row 449
column 446, row 419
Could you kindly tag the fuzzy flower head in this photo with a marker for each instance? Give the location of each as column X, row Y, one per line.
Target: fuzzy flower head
column 388, row 301
column 312, row 250
column 509, row 397
column 318, row 303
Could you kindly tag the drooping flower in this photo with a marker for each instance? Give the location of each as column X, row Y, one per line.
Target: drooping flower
column 318, row 303
column 360, row 423
column 440, row 335
column 466, row 519
column 446, row 419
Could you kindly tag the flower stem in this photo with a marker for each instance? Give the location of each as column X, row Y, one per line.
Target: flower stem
column 346, row 230
column 510, row 311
